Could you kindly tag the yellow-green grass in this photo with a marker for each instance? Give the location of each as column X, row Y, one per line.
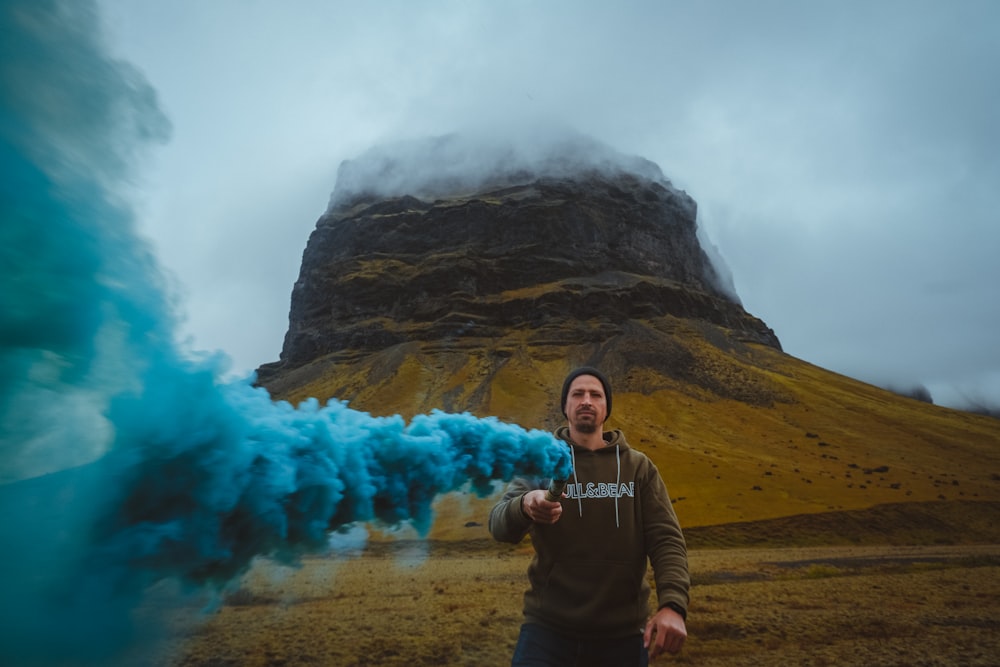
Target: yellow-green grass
column 802, row 439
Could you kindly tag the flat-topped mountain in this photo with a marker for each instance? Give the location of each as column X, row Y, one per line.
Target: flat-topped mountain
column 436, row 280
column 551, row 257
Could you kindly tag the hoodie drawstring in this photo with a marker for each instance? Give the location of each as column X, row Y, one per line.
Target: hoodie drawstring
column 576, row 480
column 618, row 482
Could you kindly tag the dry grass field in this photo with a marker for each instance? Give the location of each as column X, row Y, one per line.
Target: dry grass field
column 411, row 602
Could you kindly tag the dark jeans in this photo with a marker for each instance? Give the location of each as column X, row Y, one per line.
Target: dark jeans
column 541, row 647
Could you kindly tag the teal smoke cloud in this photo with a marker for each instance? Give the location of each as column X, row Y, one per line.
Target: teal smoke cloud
column 124, row 460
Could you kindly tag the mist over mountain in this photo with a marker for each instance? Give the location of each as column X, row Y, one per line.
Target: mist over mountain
column 474, row 158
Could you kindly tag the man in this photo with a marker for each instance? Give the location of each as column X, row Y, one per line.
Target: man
column 588, row 598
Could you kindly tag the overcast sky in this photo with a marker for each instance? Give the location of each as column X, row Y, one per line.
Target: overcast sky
column 844, row 154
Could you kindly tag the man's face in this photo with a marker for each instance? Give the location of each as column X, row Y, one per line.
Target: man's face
column 586, row 405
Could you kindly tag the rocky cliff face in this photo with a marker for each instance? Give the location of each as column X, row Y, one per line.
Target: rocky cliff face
column 551, row 256
column 577, row 262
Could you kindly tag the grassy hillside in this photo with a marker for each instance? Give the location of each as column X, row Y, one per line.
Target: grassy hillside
column 832, row 443
column 741, row 432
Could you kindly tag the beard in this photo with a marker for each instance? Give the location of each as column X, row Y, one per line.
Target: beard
column 587, row 426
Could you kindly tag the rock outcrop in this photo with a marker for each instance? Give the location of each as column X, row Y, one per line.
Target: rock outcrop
column 422, row 281
column 551, row 256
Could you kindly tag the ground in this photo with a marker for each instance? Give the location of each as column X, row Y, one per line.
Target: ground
column 459, row 603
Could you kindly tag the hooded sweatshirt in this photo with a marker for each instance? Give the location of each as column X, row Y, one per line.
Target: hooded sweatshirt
column 588, row 575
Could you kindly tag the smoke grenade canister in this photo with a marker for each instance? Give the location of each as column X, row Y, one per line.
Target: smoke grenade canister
column 555, row 490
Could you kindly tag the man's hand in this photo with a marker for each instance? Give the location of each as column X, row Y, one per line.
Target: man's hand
column 539, row 509
column 666, row 631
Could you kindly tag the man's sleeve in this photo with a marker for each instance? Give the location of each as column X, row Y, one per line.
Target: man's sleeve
column 508, row 522
column 665, row 544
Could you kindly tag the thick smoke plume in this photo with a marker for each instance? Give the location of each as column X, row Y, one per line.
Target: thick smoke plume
column 124, row 461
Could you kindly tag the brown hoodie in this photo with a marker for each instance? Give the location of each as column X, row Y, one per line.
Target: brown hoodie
column 588, row 573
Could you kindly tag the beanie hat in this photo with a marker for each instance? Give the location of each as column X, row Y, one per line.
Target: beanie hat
column 586, row 370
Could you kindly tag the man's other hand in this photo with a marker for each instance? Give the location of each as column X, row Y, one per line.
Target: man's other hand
column 666, row 631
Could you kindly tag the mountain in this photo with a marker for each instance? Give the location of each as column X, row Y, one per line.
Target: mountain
column 478, row 288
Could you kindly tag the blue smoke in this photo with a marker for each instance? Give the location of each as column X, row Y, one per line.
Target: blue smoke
column 125, row 461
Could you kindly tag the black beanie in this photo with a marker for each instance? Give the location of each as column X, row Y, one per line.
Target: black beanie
column 586, row 370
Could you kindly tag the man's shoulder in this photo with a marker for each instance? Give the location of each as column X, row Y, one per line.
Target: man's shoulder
column 628, row 450
column 640, row 462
